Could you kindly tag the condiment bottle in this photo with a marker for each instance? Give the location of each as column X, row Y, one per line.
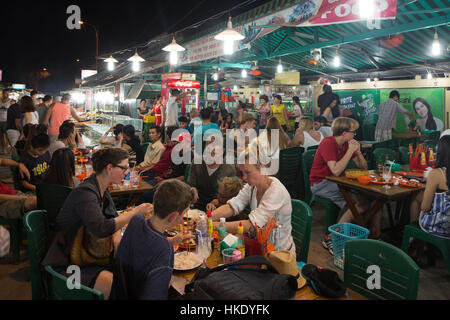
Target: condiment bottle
column 210, row 233
column 241, row 243
column 222, row 232
column 423, row 161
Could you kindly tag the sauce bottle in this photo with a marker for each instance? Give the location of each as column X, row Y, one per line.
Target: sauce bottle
column 241, row 243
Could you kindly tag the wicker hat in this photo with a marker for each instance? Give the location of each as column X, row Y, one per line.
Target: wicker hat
column 285, row 263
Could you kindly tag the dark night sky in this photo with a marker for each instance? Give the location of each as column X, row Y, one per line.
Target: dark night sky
column 34, row 34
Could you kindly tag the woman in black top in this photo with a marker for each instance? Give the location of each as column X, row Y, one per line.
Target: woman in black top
column 132, row 143
column 90, row 205
column 144, row 110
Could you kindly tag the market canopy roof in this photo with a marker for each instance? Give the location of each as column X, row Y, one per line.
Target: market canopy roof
column 400, row 48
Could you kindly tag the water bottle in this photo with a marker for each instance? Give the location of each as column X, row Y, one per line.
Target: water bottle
column 201, row 229
column 126, row 181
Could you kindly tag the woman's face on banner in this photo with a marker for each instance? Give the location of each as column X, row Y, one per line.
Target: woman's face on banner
column 421, row 109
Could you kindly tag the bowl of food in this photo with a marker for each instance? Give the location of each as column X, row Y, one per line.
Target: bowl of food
column 364, row 179
column 185, row 261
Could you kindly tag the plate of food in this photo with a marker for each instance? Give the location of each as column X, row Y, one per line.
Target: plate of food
column 411, row 174
column 380, row 181
column 355, row 173
column 193, row 214
column 411, row 184
column 188, row 244
column 186, row 261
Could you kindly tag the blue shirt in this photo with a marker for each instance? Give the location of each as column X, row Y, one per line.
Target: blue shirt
column 144, row 263
column 204, row 128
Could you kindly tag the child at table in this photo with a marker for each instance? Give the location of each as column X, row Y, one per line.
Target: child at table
column 432, row 206
column 144, row 261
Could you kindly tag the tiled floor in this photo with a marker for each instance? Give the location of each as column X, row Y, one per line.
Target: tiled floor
column 434, row 282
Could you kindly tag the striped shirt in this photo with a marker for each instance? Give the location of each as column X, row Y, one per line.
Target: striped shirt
column 387, row 115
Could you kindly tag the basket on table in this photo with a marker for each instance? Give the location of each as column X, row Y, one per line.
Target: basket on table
column 355, row 173
column 340, row 233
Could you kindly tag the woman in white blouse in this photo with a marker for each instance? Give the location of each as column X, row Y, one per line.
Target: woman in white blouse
column 267, row 197
column 306, row 136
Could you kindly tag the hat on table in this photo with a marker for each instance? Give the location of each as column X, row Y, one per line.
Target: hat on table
column 285, row 263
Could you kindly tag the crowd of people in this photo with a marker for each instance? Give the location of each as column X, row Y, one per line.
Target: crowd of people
column 139, row 263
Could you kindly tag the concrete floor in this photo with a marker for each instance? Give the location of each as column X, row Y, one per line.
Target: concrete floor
column 434, row 281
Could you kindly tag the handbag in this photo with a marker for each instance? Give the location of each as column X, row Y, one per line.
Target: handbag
column 241, row 281
column 88, row 250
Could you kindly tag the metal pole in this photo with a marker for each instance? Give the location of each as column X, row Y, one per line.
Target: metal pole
column 206, row 90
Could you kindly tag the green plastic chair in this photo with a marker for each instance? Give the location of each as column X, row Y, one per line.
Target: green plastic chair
column 369, row 132
column 331, row 209
column 313, row 147
column 15, row 237
column 36, row 225
column 289, row 172
column 380, row 153
column 144, row 147
column 301, row 228
column 51, row 197
column 57, row 288
column 187, row 173
column 413, row 230
column 399, row 273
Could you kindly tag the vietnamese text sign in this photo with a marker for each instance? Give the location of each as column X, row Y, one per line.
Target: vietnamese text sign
column 363, row 103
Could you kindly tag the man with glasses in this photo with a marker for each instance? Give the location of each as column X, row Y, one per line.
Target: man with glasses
column 332, row 158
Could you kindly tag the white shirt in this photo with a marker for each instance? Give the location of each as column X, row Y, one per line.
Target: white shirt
column 326, row 131
column 34, row 118
column 211, row 171
column 268, row 155
column 171, row 112
column 4, row 110
column 276, row 202
column 309, row 141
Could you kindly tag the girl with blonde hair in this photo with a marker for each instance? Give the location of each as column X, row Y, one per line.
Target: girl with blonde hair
column 306, row 136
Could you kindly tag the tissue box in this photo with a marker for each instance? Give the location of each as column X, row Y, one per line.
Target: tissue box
column 230, row 241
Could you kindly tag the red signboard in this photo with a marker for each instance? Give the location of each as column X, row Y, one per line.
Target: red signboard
column 184, row 84
column 332, row 12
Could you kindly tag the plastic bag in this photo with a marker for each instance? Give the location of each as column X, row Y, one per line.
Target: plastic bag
column 4, row 242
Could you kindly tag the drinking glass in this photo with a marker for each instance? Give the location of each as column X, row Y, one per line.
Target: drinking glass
column 134, row 179
column 387, row 175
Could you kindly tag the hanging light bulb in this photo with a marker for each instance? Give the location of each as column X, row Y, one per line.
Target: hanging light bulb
column 436, row 46
column 337, row 61
column 229, row 36
column 173, row 48
column 280, row 67
column 368, row 80
column 235, row 87
column 215, row 76
column 110, row 61
column 136, row 62
column 429, row 76
column 366, row 8
column 244, row 73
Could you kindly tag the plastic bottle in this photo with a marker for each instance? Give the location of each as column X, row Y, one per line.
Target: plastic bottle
column 241, row 243
column 126, row 181
column 222, row 233
column 201, row 229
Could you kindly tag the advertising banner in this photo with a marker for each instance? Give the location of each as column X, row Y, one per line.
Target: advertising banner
column 363, row 103
column 426, row 104
column 305, row 13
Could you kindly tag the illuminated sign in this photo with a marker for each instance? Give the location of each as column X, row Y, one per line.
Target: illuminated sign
column 184, row 84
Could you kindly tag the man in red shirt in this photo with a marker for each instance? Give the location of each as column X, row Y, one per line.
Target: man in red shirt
column 332, row 158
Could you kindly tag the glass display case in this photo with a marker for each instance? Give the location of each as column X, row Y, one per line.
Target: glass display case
column 92, row 132
column 305, row 94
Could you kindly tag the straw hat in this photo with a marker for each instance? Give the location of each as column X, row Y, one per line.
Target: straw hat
column 285, row 263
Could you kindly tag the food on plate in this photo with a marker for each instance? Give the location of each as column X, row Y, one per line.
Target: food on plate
column 186, row 261
column 411, row 183
column 191, row 244
column 355, row 173
column 171, row 233
column 193, row 214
